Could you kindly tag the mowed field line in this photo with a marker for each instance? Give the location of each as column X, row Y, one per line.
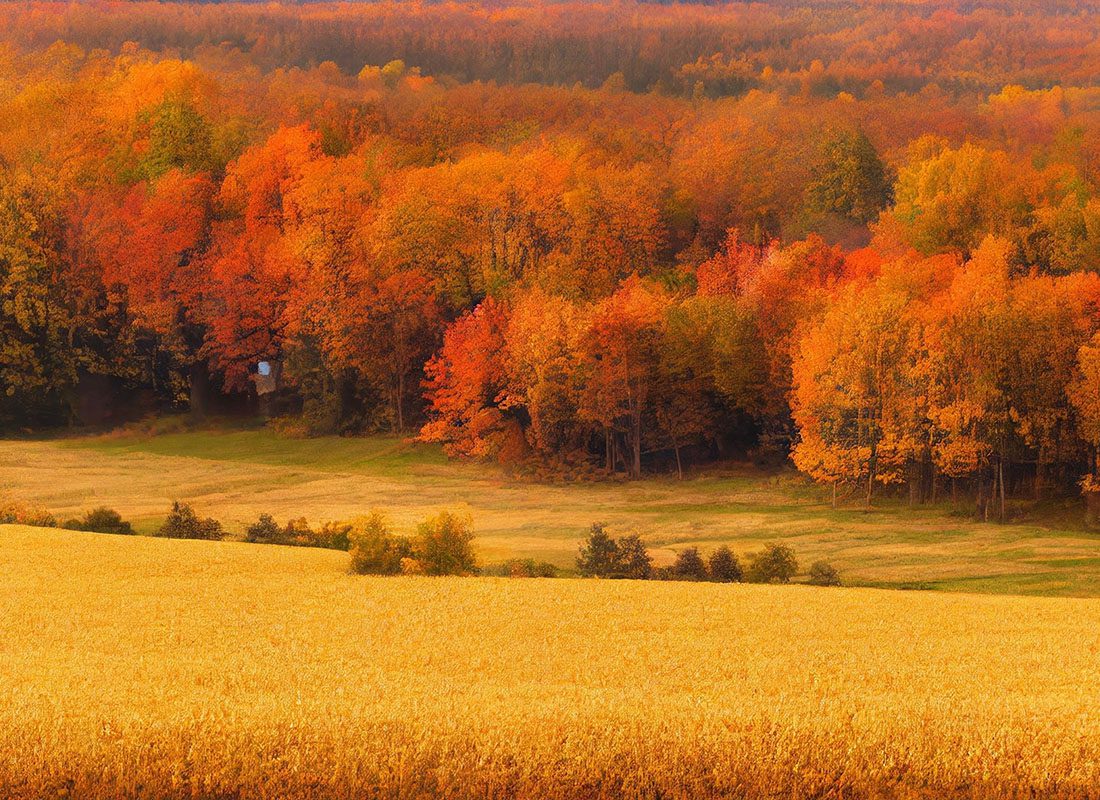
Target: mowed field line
column 134, row 666
column 235, row 475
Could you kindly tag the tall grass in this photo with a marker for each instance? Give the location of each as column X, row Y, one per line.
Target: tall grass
column 137, row 667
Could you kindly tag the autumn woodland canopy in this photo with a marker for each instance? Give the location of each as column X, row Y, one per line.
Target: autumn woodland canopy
column 580, row 237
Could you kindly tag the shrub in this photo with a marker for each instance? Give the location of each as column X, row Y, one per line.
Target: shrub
column 374, row 548
column 411, row 566
column 822, row 573
column 599, row 555
column 523, row 568
column 16, row 512
column 297, row 532
column 102, row 520
column 775, row 564
column 183, row 523
column 264, row 531
column 724, row 566
column 443, row 545
column 633, row 559
column 689, row 565
column 332, row 536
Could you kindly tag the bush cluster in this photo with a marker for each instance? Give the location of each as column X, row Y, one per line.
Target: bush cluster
column 184, row 523
column 441, row 546
column 298, row 533
column 522, row 568
column 602, row 556
column 16, row 512
column 101, row 520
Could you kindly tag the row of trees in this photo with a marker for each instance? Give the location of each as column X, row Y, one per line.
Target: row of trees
column 812, row 46
column 939, row 370
column 898, row 286
column 603, row 556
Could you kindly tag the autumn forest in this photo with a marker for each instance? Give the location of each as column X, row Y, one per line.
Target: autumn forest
column 583, row 240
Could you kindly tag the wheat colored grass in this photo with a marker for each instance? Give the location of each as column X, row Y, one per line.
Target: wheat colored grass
column 136, row 667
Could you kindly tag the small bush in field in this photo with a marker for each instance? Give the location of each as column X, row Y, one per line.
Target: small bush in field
column 374, row 548
column 15, row 512
column 183, row 523
column 333, row 536
column 599, row 554
column 774, row 564
column 523, row 568
column 411, row 566
column 724, row 566
column 443, row 545
column 298, row 533
column 264, row 531
column 101, row 520
column 633, row 559
column 689, row 565
column 822, row 573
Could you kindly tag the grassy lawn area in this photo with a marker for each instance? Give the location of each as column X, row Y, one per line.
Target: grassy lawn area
column 237, row 474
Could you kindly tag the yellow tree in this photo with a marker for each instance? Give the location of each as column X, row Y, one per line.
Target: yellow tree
column 854, row 389
column 1084, row 394
column 541, row 357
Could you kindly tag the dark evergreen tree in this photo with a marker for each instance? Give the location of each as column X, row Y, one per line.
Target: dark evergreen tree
column 599, row 555
column 850, row 180
column 724, row 566
column 689, row 565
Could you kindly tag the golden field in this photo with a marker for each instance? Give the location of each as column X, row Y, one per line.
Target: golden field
column 139, row 667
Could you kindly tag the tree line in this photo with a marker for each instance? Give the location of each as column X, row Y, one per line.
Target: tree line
column 895, row 285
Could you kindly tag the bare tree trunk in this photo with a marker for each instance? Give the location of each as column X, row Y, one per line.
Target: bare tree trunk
column 636, row 437
column 199, row 379
column 871, row 465
column 1001, row 475
column 399, row 402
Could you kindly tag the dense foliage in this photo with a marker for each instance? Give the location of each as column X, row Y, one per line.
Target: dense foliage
column 581, row 238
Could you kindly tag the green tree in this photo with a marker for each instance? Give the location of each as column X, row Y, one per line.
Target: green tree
column 374, row 548
column 443, row 545
column 599, row 555
column 179, row 138
column 184, row 523
column 850, row 179
column 633, row 561
column 822, row 573
column 774, row 564
column 724, row 566
column 689, row 565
